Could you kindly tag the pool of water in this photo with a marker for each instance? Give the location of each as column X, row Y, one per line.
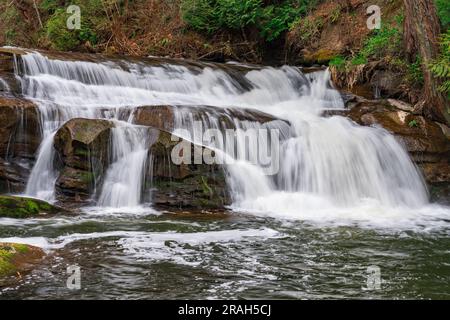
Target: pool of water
column 144, row 254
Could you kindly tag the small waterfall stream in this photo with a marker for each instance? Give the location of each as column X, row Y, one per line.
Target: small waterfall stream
column 323, row 161
column 125, row 176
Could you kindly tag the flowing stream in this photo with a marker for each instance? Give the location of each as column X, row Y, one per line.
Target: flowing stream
column 343, row 197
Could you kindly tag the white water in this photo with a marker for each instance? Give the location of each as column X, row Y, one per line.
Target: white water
column 327, row 165
column 125, row 176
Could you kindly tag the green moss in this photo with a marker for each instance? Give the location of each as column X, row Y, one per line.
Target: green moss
column 7, row 252
column 19, row 207
column 206, row 189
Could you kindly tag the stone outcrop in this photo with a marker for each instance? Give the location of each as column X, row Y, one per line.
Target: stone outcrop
column 83, row 146
column 184, row 185
column 20, row 136
column 82, row 149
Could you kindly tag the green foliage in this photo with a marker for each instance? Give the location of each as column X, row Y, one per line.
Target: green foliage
column 415, row 72
column 61, row 38
column 270, row 20
column 359, row 59
column 307, row 29
column 443, row 9
column 10, row 16
column 441, row 66
column 279, row 18
column 212, row 15
column 413, row 124
column 57, row 32
column 338, row 62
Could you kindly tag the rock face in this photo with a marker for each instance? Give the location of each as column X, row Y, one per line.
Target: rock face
column 166, row 117
column 20, row 136
column 82, row 148
column 16, row 259
column 184, row 185
column 21, row 207
column 427, row 142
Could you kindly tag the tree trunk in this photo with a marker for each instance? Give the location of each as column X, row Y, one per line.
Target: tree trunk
column 421, row 36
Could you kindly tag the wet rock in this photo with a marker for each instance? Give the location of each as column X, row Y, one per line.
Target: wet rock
column 16, row 259
column 22, row 207
column 82, row 148
column 386, row 83
column 13, row 176
column 165, row 117
column 20, row 133
column 424, row 139
column 20, row 136
column 83, row 145
column 184, row 185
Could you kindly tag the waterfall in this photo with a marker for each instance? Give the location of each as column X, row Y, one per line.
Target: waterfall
column 125, row 176
column 324, row 162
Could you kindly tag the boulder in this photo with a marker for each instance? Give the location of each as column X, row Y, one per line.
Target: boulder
column 22, row 207
column 15, row 259
column 83, row 145
column 82, row 149
column 184, row 185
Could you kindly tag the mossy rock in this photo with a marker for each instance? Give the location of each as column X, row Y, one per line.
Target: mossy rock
column 17, row 258
column 21, row 207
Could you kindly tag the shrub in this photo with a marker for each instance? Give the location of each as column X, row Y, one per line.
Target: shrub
column 270, row 20
column 441, row 66
column 212, row 15
column 338, row 62
column 443, row 9
column 61, row 38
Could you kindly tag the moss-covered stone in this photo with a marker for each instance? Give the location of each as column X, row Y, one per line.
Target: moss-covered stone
column 17, row 258
column 21, row 207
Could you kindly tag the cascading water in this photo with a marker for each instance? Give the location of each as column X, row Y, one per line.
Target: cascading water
column 324, row 162
column 125, row 177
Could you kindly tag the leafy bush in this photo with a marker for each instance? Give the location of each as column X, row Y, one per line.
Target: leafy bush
column 61, row 38
column 382, row 42
column 443, row 9
column 271, row 20
column 441, row 67
column 212, row 15
column 338, row 62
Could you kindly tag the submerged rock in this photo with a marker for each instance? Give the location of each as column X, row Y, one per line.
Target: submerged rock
column 16, row 259
column 22, row 207
column 82, row 148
